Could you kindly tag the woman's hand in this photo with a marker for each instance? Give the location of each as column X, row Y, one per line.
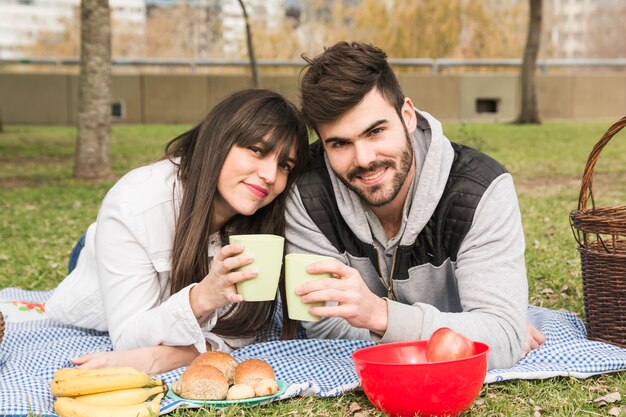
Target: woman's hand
column 151, row 360
column 217, row 289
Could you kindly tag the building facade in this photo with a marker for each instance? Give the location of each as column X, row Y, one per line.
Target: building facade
column 22, row 21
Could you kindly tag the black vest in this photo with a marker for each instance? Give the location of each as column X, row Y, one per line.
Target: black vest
column 440, row 239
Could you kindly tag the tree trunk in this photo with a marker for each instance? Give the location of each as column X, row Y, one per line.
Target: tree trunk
column 529, row 112
column 1, row 124
column 253, row 66
column 92, row 159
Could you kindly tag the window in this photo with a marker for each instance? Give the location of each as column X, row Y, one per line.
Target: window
column 487, row 105
column 118, row 110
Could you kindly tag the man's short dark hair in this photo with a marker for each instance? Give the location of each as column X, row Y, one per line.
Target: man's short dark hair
column 338, row 79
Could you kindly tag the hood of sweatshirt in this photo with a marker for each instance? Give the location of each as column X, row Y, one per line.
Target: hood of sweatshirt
column 433, row 157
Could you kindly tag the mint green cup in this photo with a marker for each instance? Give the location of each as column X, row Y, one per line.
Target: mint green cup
column 296, row 275
column 268, row 259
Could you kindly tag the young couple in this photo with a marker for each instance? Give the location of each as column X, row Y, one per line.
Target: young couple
column 426, row 233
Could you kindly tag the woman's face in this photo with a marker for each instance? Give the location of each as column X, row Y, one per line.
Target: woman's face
column 250, row 179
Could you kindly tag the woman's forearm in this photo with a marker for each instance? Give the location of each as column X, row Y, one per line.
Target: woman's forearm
column 152, row 360
column 166, row 358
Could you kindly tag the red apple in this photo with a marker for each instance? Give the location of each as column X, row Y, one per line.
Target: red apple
column 445, row 344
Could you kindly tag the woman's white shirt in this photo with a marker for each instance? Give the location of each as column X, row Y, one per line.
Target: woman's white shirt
column 121, row 280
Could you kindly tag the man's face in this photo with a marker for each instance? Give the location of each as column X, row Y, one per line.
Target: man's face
column 369, row 148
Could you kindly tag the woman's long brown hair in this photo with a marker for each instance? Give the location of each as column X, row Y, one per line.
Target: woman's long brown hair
column 242, row 119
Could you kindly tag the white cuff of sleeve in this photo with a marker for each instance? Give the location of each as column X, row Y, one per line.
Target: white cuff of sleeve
column 217, row 343
column 190, row 322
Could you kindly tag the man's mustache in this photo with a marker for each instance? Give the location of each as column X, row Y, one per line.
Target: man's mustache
column 360, row 171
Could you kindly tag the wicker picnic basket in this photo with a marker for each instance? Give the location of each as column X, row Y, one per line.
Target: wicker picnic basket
column 601, row 236
column 1, row 326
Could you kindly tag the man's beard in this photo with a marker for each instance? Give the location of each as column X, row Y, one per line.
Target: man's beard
column 369, row 194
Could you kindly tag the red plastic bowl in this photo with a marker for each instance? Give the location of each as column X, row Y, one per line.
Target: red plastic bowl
column 398, row 380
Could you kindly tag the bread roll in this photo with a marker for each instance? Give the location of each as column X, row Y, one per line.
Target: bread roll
column 265, row 387
column 201, row 382
column 240, row 392
column 251, row 371
column 220, row 360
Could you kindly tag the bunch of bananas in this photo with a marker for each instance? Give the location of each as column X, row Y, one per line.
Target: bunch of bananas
column 107, row 392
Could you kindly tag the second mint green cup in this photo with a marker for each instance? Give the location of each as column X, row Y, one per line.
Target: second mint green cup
column 268, row 259
column 296, row 275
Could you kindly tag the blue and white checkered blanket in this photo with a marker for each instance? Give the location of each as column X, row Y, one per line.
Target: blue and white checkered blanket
column 34, row 347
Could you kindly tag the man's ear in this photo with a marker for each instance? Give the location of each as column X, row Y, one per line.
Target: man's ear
column 408, row 115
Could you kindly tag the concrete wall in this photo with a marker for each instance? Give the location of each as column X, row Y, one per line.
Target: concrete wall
column 52, row 98
column 40, row 99
column 502, row 90
column 582, row 96
column 437, row 94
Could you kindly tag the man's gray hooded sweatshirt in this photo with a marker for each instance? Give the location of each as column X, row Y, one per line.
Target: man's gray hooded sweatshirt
column 474, row 281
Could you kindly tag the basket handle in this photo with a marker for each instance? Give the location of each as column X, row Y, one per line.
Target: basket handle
column 586, row 191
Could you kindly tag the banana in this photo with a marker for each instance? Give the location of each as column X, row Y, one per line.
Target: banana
column 70, row 407
column 91, row 381
column 63, row 373
column 127, row 396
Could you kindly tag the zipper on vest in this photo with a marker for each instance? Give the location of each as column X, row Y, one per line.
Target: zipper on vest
column 388, row 283
column 390, row 294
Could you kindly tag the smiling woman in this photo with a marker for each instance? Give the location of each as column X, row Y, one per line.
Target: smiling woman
column 250, row 178
column 155, row 271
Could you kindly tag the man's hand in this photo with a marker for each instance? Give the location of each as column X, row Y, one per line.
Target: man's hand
column 355, row 302
column 534, row 339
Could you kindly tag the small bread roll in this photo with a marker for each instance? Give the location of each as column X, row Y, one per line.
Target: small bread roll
column 240, row 392
column 201, row 382
column 251, row 371
column 222, row 361
column 265, row 387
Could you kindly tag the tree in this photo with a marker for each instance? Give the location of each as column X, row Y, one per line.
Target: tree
column 253, row 66
column 529, row 113
column 421, row 29
column 92, row 159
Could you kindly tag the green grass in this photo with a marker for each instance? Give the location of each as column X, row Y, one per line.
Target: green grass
column 43, row 210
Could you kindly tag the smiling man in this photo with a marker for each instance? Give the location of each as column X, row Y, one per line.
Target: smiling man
column 426, row 233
